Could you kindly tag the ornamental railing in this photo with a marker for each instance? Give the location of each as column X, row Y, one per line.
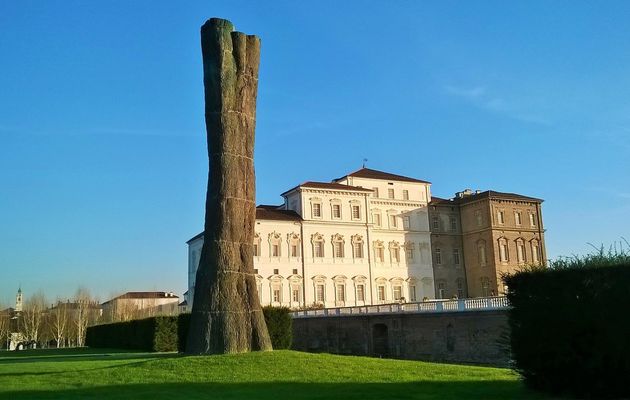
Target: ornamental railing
column 425, row 307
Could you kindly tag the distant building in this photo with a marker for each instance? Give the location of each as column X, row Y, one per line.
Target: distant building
column 136, row 304
column 477, row 236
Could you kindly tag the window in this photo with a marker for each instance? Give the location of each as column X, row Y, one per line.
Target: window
column 503, row 250
column 317, row 210
column 436, row 222
column 375, row 190
column 409, row 251
column 395, row 253
column 356, row 212
column 357, row 248
column 275, row 250
column 390, row 193
column 501, row 217
column 338, row 249
column 318, row 249
column 481, row 253
column 438, row 256
column 535, row 252
column 453, row 223
column 397, row 291
column 341, row 292
column 393, row 223
column 405, row 195
column 377, row 219
column 277, row 295
column 441, row 292
column 361, row 292
column 456, row 256
column 479, row 218
column 381, row 293
column 295, row 294
column 295, row 271
column 274, row 244
column 256, row 250
column 406, row 222
column 379, row 252
column 336, row 211
column 295, row 250
column 532, row 219
column 319, row 293
column 520, row 251
column 412, row 292
column 460, row 288
column 517, row 218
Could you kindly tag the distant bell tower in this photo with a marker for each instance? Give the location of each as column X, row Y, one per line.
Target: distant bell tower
column 18, row 301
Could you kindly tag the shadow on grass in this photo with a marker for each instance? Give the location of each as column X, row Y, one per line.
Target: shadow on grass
column 93, row 356
column 487, row 390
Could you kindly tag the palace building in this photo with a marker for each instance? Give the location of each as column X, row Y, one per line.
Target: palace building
column 372, row 237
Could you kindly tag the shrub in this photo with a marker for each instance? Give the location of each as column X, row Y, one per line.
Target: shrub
column 149, row 334
column 280, row 326
column 569, row 326
column 170, row 333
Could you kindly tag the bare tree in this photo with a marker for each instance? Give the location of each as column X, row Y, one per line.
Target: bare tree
column 32, row 316
column 5, row 326
column 59, row 322
column 82, row 314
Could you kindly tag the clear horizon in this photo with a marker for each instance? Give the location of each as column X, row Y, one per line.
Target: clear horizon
column 103, row 162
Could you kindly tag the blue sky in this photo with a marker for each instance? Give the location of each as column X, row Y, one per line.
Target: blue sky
column 102, row 139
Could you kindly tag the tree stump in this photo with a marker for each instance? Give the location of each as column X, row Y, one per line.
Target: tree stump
column 226, row 314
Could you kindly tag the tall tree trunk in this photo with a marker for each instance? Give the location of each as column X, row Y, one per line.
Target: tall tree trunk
column 226, row 315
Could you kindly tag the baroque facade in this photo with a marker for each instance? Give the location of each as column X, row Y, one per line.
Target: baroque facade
column 365, row 238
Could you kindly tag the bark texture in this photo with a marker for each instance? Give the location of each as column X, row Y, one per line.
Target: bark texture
column 226, row 315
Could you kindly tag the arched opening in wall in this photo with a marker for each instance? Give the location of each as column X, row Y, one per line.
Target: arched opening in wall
column 380, row 340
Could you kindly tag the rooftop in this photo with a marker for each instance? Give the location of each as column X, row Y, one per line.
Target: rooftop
column 328, row 185
column 145, row 295
column 375, row 174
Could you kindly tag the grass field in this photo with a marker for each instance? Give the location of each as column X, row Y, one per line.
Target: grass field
column 84, row 373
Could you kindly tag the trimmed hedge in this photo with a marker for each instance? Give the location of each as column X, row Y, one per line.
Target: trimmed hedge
column 280, row 326
column 149, row 334
column 170, row 333
column 570, row 330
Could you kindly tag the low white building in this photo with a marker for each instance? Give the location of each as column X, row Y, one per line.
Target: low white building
column 362, row 239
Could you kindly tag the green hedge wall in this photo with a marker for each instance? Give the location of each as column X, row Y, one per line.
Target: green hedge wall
column 570, row 329
column 149, row 334
column 170, row 333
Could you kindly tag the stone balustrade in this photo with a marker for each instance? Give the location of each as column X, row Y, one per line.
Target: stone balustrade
column 425, row 307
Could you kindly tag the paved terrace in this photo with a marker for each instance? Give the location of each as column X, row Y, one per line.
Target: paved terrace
column 425, row 307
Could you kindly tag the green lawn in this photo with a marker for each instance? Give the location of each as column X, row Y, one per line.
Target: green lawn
column 80, row 374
